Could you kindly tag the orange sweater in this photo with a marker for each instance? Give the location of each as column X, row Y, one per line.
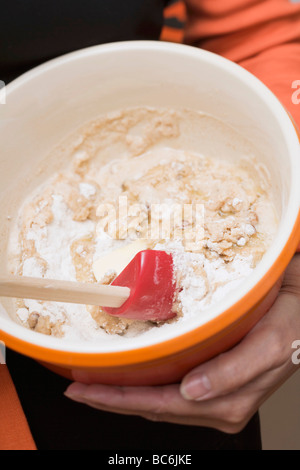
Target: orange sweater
column 262, row 36
column 14, row 430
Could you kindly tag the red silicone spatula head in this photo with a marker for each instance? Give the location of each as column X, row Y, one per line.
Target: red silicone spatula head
column 152, row 287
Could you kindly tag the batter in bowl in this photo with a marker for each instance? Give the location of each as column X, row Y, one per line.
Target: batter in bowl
column 215, row 214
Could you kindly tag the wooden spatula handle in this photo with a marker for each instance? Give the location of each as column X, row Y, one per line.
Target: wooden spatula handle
column 63, row 291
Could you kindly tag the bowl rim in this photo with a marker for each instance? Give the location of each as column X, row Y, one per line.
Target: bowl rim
column 230, row 315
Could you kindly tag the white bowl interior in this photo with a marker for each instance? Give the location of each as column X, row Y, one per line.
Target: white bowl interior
column 48, row 103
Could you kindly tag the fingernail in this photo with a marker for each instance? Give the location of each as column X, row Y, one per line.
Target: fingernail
column 75, row 390
column 196, row 388
column 69, row 394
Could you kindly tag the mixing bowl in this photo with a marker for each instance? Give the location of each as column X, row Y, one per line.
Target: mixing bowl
column 52, row 100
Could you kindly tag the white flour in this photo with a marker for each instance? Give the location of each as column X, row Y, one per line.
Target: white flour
column 53, row 245
column 53, row 242
column 218, row 278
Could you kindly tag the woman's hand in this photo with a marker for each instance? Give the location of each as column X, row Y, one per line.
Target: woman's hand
column 226, row 391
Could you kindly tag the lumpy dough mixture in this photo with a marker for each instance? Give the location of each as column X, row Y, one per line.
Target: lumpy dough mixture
column 137, row 153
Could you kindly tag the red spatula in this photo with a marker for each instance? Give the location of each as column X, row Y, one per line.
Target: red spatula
column 144, row 290
column 150, row 279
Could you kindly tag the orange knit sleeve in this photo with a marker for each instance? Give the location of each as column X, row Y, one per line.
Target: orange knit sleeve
column 261, row 35
column 14, row 431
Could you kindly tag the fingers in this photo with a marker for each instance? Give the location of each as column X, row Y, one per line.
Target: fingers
column 266, row 347
column 164, row 404
column 146, row 399
column 151, row 402
column 229, row 413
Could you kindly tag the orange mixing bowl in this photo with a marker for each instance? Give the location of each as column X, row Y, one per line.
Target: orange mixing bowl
column 49, row 102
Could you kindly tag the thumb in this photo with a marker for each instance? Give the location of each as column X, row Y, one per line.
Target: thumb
column 266, row 347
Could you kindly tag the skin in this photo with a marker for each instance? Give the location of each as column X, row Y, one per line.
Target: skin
column 225, row 392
